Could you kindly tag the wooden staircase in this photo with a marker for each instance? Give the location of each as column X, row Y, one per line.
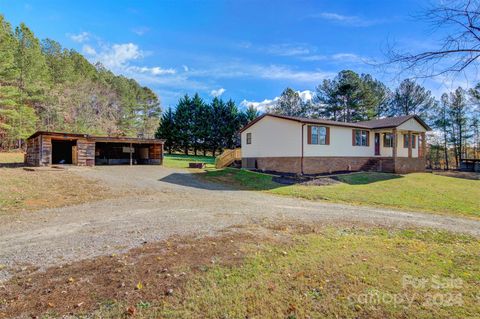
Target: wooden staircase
column 228, row 157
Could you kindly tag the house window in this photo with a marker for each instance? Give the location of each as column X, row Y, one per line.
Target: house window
column 405, row 141
column 360, row 138
column 249, row 138
column 319, row 135
column 388, row 140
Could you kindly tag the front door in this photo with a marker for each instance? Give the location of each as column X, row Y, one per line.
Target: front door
column 377, row 143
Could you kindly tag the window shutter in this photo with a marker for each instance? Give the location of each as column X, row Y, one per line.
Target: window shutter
column 327, row 138
column 368, row 138
column 309, row 134
column 353, row 137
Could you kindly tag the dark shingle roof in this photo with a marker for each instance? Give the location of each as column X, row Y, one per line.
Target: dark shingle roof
column 388, row 122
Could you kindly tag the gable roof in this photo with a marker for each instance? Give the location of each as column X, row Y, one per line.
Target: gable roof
column 396, row 121
column 388, row 122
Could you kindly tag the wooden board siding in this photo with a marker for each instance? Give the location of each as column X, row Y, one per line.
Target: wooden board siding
column 45, row 150
column 86, row 152
column 155, row 153
column 32, row 157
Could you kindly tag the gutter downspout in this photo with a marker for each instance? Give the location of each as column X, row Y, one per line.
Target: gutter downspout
column 301, row 159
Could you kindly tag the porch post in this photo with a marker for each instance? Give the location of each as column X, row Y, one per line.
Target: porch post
column 409, row 144
column 424, row 145
column 395, row 142
column 131, row 161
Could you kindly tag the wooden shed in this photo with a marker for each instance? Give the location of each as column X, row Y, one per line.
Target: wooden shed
column 49, row 148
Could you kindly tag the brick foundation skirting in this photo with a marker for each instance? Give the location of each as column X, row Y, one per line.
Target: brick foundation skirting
column 322, row 165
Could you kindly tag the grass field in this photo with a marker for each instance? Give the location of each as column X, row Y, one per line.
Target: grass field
column 418, row 191
column 331, row 273
column 22, row 190
column 181, row 161
column 11, row 157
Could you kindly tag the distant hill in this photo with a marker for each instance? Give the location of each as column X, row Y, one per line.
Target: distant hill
column 46, row 87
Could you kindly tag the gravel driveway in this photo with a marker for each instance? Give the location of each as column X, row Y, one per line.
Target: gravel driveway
column 176, row 203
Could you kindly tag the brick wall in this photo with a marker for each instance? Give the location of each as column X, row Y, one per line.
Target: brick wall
column 322, row 165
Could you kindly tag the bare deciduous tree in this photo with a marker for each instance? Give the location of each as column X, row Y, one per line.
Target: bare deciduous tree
column 458, row 50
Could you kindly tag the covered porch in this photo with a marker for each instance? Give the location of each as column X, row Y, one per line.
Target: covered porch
column 405, row 148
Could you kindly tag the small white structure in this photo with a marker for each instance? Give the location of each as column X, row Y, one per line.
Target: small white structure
column 288, row 144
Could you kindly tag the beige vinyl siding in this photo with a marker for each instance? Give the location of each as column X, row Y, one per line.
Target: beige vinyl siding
column 340, row 144
column 411, row 125
column 273, row 137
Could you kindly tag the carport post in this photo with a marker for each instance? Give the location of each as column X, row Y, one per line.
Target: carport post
column 131, row 154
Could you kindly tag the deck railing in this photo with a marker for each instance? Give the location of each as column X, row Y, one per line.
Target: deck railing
column 228, row 157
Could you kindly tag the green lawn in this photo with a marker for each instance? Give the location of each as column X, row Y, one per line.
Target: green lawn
column 11, row 157
column 334, row 273
column 181, row 161
column 418, row 191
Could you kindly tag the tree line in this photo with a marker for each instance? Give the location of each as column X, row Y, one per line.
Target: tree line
column 46, row 87
column 197, row 126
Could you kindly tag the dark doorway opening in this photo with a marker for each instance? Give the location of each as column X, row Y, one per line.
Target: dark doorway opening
column 119, row 154
column 62, row 151
column 377, row 143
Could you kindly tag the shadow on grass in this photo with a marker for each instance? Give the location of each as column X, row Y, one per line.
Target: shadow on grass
column 224, row 179
column 365, row 178
column 194, row 180
column 236, row 179
column 11, row 165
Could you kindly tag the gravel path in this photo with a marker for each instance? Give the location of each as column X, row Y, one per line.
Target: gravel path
column 177, row 203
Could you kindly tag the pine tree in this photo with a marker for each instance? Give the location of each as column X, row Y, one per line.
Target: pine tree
column 250, row 114
column 411, row 98
column 289, row 103
column 458, row 109
column 167, row 130
column 33, row 77
column 217, row 115
column 350, row 97
column 184, row 123
column 231, row 125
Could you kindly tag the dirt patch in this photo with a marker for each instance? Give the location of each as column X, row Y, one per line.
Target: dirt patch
column 305, row 181
column 152, row 272
column 457, row 174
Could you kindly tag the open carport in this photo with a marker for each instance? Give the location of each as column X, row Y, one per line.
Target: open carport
column 49, row 148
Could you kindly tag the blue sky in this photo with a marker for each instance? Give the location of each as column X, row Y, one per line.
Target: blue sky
column 245, row 50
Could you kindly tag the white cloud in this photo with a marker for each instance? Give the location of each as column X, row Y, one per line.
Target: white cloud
column 88, row 50
column 270, row 72
column 185, row 68
column 266, row 104
column 153, row 71
column 275, row 72
column 217, row 93
column 315, row 57
column 353, row 21
column 81, row 37
column 338, row 57
column 120, row 54
column 116, row 56
column 262, row 106
column 140, row 30
column 287, row 49
column 306, row 95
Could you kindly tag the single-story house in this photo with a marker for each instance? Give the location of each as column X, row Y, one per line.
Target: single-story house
column 47, row 148
column 297, row 145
